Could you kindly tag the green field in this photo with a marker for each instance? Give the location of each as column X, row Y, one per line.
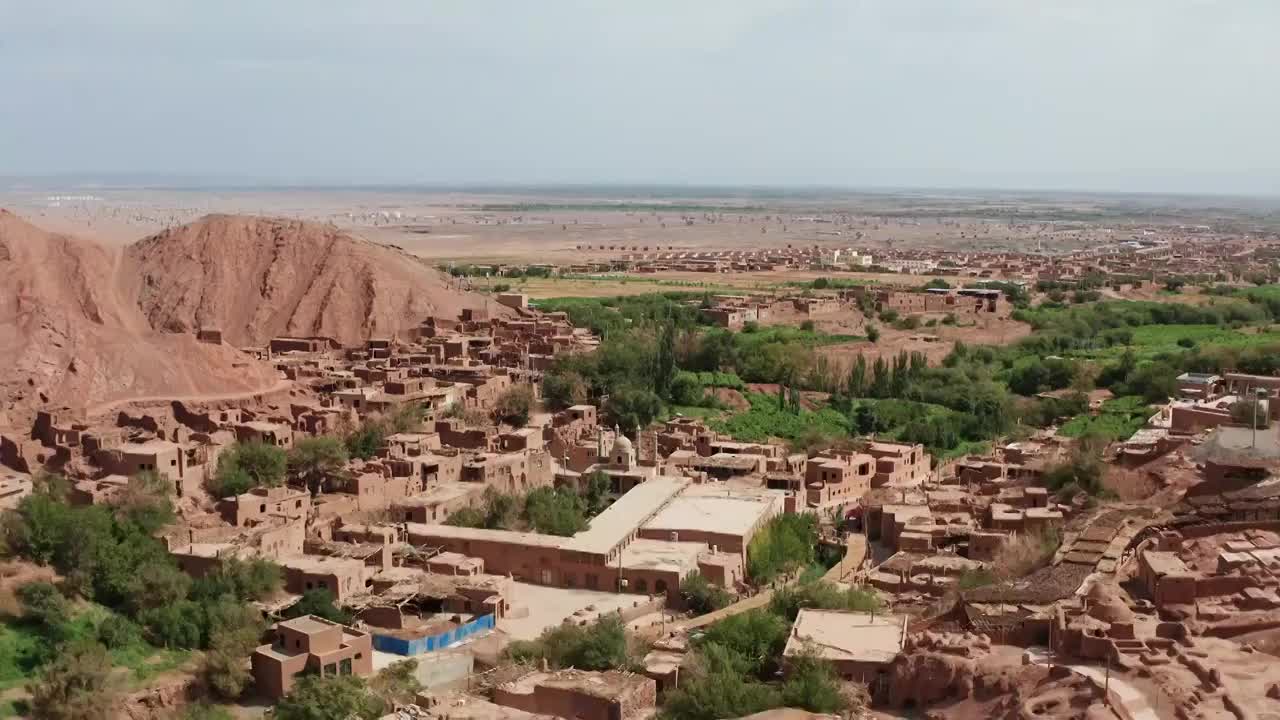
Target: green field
column 1118, row 419
column 1151, row 340
column 765, row 419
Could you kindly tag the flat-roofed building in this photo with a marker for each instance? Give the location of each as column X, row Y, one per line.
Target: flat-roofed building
column 343, row 577
column 725, row 521
column 621, row 521
column 1167, row 578
column 899, row 464
column 436, row 503
column 310, row 645
column 530, row 557
column 860, row 645
column 267, row 433
column 260, row 504
column 581, row 694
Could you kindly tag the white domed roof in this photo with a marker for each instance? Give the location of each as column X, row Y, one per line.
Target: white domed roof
column 621, row 444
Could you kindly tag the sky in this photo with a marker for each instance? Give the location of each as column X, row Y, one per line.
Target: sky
column 1130, row 95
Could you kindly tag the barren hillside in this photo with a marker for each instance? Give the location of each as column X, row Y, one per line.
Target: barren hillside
column 70, row 335
column 257, row 278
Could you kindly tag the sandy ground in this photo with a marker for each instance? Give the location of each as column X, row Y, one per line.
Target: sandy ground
column 935, row 342
column 550, row 606
column 558, row 228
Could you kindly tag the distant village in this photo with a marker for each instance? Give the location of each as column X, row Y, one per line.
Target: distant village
column 683, row 499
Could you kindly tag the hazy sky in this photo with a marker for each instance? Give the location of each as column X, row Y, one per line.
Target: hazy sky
column 1156, row 95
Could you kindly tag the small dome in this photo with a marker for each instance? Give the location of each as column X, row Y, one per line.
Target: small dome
column 621, row 445
column 1105, row 604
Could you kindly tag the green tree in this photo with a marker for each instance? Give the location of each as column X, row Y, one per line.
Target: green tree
column 865, row 421
column 687, row 390
column 1249, row 413
column 159, row 585
column 664, row 366
column 318, row 602
column 783, row 545
column 700, row 596
column 558, row 511
column 821, row 595
column 713, row 693
column 234, row 631
column 397, row 684
column 632, row 407
column 596, row 496
column 39, row 529
column 178, row 625
column 599, row 646
column 1083, row 471
column 604, row 646
column 812, row 684
column 756, row 639
column 561, row 389
column 43, row 603
column 879, row 387
column 244, row 580
column 466, row 517
column 147, row 501
column 316, row 461
column 342, row 697
column 244, row 466
column 409, row 417
column 77, row 685
column 367, row 439
column 225, row 671
column 858, row 377
column 117, row 632
column 205, row 711
column 514, row 405
column 873, row 333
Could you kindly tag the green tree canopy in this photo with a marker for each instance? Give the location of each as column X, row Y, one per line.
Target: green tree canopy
column 700, row 596
column 244, row 466
column 599, row 646
column 555, row 511
column 341, row 697
column 514, row 405
column 318, row 602
column 632, row 407
column 77, row 685
column 317, row 461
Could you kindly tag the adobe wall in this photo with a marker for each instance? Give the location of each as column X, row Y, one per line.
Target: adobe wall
column 1188, row 421
column 1222, row 585
column 724, row 542
column 1199, row 531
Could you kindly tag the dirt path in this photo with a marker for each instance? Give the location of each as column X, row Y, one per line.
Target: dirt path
column 758, row 600
column 1134, row 703
column 280, row 386
column 855, row 553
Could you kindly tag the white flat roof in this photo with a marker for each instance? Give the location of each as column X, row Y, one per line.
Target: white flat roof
column 622, row 518
column 481, row 534
column 729, row 515
column 437, row 494
column 856, row 636
column 644, row 554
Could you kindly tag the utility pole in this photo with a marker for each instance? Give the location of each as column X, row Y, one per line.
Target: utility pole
column 1254, row 424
